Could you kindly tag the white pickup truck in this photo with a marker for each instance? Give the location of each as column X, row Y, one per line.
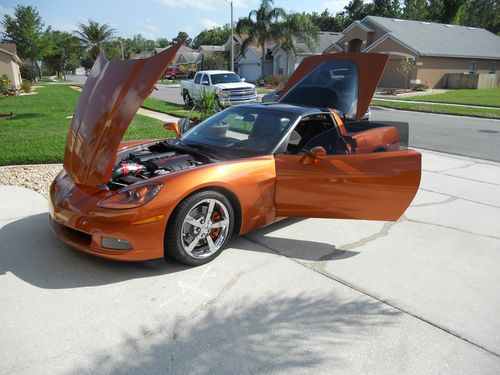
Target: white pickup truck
column 229, row 87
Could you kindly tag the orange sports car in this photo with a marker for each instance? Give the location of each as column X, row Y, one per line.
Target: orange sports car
column 237, row 171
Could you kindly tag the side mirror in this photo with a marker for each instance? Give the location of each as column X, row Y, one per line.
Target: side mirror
column 243, row 80
column 173, row 126
column 205, row 83
column 315, row 153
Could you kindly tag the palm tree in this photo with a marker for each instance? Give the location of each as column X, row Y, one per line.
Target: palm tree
column 94, row 36
column 296, row 27
column 258, row 27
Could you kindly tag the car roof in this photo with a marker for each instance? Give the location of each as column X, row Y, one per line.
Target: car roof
column 290, row 108
column 215, row 71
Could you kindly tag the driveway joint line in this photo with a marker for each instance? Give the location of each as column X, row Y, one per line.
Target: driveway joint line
column 368, row 294
column 462, row 198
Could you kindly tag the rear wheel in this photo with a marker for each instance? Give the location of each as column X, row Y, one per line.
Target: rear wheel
column 187, row 98
column 200, row 228
column 172, row 77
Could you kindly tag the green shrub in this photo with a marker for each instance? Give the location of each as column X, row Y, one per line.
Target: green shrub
column 4, row 84
column 420, row 87
column 207, row 104
column 389, row 92
column 29, row 72
column 26, row 86
column 276, row 80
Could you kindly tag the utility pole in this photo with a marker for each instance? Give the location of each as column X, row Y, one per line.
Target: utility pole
column 232, row 35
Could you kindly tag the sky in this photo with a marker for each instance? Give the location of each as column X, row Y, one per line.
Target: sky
column 155, row 18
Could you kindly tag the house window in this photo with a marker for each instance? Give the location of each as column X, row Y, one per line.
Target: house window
column 493, row 67
column 472, row 67
column 355, row 45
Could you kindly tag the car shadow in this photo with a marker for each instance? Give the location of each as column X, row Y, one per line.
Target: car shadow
column 29, row 251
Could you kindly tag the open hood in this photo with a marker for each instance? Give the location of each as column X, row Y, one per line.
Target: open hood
column 341, row 81
column 112, row 94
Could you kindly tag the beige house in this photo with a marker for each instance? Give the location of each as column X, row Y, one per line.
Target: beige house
column 9, row 64
column 437, row 49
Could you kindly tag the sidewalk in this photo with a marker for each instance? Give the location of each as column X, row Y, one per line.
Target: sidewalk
column 434, row 103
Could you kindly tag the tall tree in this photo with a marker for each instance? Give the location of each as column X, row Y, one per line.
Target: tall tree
column 162, row 42
column 258, row 27
column 61, row 48
column 215, row 37
column 25, row 28
column 327, row 21
column 386, row 8
column 355, row 10
column 415, row 10
column 180, row 36
column 296, row 27
column 94, row 36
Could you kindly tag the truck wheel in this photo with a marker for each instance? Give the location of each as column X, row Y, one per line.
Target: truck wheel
column 187, row 98
column 200, row 228
column 172, row 77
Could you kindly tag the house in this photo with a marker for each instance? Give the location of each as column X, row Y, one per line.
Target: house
column 185, row 55
column 9, row 64
column 281, row 56
column 437, row 49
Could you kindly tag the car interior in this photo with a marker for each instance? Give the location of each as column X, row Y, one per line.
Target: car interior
column 316, row 130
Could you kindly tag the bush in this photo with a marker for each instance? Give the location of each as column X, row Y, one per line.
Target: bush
column 4, row 84
column 389, row 92
column 276, row 80
column 420, row 87
column 29, row 72
column 26, row 86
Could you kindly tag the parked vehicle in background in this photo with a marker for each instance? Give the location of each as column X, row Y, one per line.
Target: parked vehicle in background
column 274, row 96
column 174, row 72
column 229, row 87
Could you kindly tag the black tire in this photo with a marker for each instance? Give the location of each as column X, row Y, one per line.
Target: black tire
column 172, row 77
column 179, row 230
column 187, row 98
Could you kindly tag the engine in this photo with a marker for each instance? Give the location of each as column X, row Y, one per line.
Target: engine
column 144, row 164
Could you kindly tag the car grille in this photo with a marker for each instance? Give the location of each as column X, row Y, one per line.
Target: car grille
column 77, row 236
column 241, row 94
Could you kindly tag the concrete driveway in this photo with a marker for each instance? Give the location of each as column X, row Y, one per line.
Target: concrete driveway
column 299, row 297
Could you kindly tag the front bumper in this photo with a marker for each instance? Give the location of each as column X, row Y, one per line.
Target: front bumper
column 77, row 221
column 228, row 102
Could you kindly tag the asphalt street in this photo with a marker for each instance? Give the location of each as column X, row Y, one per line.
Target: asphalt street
column 460, row 135
column 313, row 296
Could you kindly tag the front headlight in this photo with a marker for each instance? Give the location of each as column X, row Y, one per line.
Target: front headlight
column 224, row 94
column 131, row 197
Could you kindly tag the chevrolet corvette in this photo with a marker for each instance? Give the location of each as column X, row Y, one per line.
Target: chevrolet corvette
column 239, row 170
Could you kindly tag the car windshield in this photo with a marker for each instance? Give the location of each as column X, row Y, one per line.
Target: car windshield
column 224, row 78
column 240, row 132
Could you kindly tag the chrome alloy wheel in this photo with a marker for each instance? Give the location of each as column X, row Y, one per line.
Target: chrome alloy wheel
column 205, row 228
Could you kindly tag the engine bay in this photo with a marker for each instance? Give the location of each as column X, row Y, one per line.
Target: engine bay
column 151, row 160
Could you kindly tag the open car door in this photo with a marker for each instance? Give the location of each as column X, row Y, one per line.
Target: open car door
column 374, row 186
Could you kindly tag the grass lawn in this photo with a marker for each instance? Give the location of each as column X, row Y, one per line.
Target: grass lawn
column 38, row 132
column 486, row 97
column 177, row 110
column 452, row 110
column 169, row 82
column 263, row 90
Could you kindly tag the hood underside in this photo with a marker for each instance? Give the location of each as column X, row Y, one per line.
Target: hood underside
column 110, row 98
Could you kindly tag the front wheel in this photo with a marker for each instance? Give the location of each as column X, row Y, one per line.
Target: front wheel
column 200, row 228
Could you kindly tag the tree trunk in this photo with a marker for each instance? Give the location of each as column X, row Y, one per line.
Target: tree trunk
column 287, row 62
column 263, row 60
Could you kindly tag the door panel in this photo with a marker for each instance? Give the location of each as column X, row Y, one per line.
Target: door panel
column 376, row 186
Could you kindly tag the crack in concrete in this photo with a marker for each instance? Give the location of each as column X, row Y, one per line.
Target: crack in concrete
column 448, row 200
column 451, row 169
column 381, row 233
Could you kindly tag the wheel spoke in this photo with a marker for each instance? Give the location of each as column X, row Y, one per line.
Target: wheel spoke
column 192, row 221
column 220, row 224
column 193, row 244
column 211, row 205
column 211, row 245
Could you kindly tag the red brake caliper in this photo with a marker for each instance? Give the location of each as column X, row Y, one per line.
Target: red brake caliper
column 215, row 232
